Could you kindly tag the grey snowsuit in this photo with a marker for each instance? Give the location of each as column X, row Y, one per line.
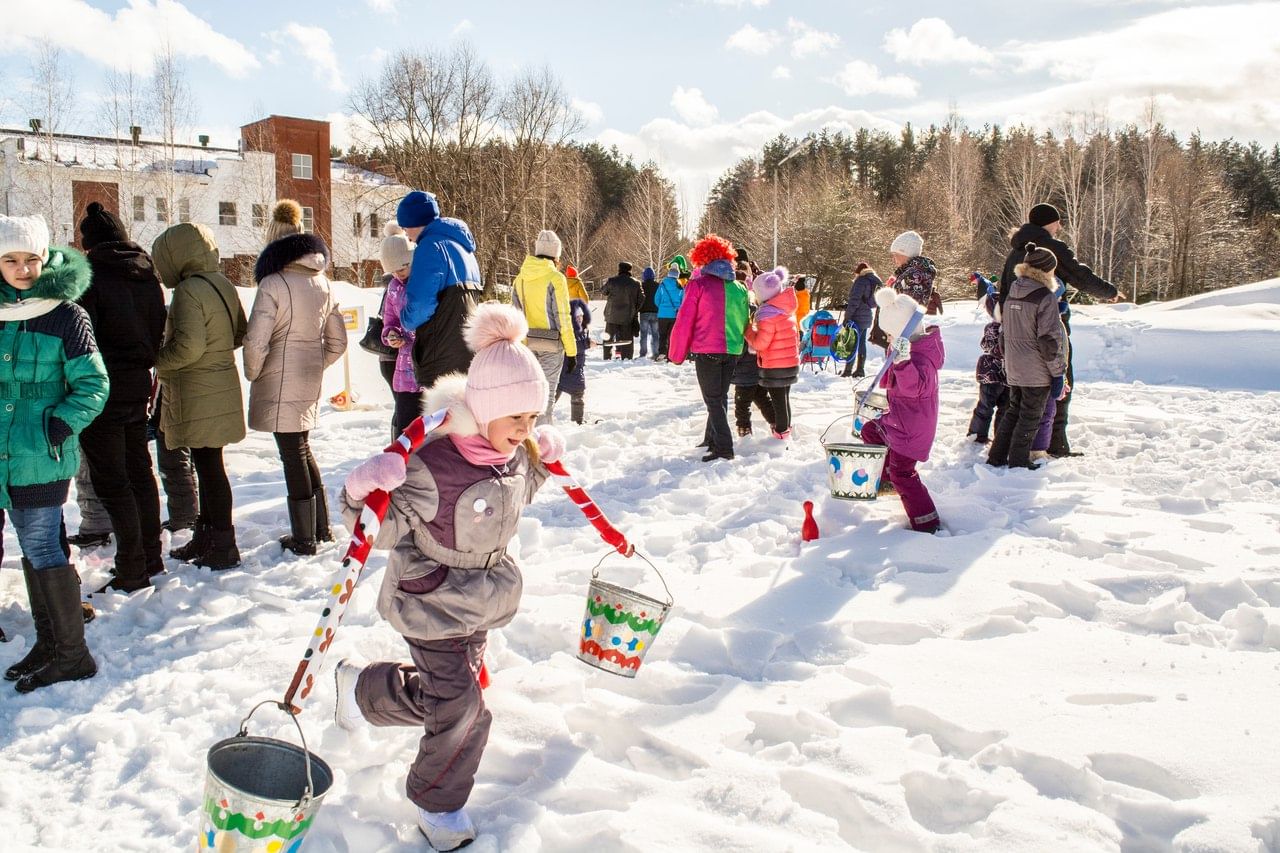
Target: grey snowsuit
column 448, row 581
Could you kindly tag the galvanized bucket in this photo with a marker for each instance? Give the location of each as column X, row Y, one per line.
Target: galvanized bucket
column 620, row 624
column 853, row 468
column 261, row 795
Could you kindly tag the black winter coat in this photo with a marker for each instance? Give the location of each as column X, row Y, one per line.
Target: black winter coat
column 438, row 346
column 1070, row 270
column 623, row 299
column 126, row 308
column 650, row 303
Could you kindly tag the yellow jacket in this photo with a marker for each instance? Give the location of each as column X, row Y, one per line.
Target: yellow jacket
column 541, row 292
column 576, row 290
column 802, row 305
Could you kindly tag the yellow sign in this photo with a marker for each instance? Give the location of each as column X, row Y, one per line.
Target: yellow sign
column 353, row 318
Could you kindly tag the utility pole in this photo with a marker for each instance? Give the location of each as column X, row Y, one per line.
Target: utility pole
column 794, row 152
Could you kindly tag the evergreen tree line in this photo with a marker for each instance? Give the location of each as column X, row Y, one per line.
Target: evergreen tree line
column 1158, row 217
column 499, row 154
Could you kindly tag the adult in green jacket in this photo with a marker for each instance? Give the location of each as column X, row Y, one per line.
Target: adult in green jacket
column 52, row 385
column 202, row 407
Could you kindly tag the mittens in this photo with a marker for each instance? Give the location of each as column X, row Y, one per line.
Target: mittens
column 550, row 443
column 901, row 350
column 385, row 471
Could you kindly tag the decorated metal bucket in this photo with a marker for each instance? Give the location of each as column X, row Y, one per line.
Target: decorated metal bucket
column 261, row 795
column 620, row 624
column 853, row 468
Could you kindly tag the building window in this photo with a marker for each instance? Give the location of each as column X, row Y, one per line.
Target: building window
column 375, row 227
column 162, row 209
column 302, row 166
column 184, row 210
column 259, row 216
column 308, row 220
column 357, row 223
column 139, row 209
column 226, row 213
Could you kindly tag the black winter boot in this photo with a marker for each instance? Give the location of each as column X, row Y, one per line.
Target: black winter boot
column 199, row 543
column 42, row 650
column 302, row 521
column 60, row 588
column 323, row 533
column 222, row 552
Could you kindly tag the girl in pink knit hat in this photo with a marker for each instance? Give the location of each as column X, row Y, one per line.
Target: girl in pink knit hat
column 454, row 508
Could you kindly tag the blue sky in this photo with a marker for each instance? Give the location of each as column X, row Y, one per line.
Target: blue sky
column 695, row 84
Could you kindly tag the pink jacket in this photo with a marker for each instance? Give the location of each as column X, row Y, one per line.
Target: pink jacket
column 912, row 388
column 773, row 335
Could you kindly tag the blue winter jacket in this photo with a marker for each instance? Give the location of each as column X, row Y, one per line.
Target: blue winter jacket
column 670, row 295
column 572, row 382
column 445, row 257
column 862, row 300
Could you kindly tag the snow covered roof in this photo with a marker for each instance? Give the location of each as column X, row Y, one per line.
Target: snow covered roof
column 97, row 152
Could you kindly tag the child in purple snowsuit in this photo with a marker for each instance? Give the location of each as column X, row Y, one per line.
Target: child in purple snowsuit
column 909, row 427
column 397, row 258
column 993, row 389
column 455, row 506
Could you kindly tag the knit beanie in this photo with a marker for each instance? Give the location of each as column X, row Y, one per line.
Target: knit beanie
column 769, row 284
column 505, row 377
column 1040, row 258
column 1043, row 214
column 570, row 272
column 101, row 226
column 674, row 271
column 396, row 251
column 907, row 243
column 417, row 209
column 548, row 244
column 896, row 309
column 28, row 234
column 286, row 219
column 647, row 275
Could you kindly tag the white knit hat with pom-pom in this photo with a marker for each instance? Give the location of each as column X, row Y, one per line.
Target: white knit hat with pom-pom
column 505, row 378
column 896, row 310
column 396, row 250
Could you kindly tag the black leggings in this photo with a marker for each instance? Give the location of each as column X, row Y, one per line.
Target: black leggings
column 214, row 488
column 781, row 399
column 408, row 407
column 301, row 473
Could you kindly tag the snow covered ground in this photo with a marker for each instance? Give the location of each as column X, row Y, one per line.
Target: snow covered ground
column 1088, row 660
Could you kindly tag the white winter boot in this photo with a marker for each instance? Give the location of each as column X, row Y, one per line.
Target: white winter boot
column 346, row 711
column 446, row 830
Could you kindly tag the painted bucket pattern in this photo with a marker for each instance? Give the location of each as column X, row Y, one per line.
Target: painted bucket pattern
column 620, row 625
column 261, row 794
column 853, row 468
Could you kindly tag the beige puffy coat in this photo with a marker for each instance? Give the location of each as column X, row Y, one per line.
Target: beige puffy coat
column 295, row 332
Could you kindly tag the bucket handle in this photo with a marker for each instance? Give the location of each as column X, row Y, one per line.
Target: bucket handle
column 823, row 439
column 305, row 800
column 595, row 572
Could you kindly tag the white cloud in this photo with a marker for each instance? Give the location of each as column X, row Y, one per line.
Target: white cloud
column 806, row 41
column 591, row 112
column 377, row 56
column 1221, row 92
column 316, row 45
column 691, row 106
column 781, row 72
column 738, row 4
column 385, row 6
column 931, row 41
column 695, row 156
column 131, row 38
column 463, row 26
column 753, row 41
column 863, row 78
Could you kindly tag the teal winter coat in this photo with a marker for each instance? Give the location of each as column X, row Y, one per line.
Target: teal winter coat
column 52, row 382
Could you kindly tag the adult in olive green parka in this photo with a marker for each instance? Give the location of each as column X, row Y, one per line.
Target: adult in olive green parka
column 202, row 407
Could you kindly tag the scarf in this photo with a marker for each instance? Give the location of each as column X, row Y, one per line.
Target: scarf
column 477, row 450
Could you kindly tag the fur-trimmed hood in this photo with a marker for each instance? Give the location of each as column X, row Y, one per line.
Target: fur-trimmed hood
column 1028, row 271
column 449, row 393
column 307, row 250
column 65, row 277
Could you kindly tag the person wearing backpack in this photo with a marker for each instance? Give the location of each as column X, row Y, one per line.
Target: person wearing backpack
column 858, row 311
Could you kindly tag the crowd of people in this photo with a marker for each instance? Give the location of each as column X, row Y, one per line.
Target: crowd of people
column 92, row 358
